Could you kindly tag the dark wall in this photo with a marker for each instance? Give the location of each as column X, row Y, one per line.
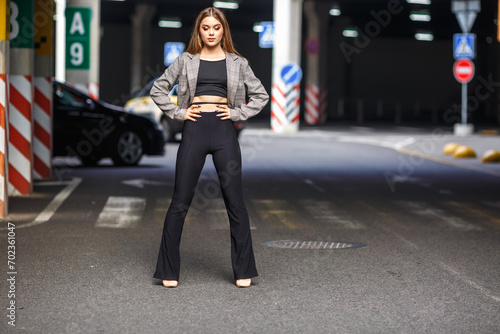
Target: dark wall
column 417, row 75
column 115, row 58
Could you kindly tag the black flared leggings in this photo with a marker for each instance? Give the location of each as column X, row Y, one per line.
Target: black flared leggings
column 209, row 135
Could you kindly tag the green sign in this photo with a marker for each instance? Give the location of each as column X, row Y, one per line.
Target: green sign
column 78, row 38
column 21, row 24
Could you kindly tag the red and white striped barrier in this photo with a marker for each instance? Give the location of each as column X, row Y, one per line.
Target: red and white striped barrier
column 42, row 138
column 323, row 104
column 20, row 134
column 285, row 107
column 4, row 108
column 312, row 105
column 93, row 88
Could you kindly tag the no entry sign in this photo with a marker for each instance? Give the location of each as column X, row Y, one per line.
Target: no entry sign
column 463, row 70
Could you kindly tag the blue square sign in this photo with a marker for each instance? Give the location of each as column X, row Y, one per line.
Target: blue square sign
column 172, row 51
column 266, row 36
column 464, row 46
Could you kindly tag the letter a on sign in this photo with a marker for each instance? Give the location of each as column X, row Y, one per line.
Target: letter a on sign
column 77, row 24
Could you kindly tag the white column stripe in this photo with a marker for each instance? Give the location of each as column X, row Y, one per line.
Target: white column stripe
column 42, row 118
column 19, row 162
column 18, row 121
column 3, row 92
column 41, row 151
column 2, row 140
column 43, row 85
column 23, row 86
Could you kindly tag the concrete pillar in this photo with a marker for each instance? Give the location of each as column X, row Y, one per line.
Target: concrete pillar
column 95, row 49
column 60, row 51
column 82, row 40
column 4, row 102
column 312, row 47
column 42, row 108
column 324, row 58
column 140, row 48
column 20, row 149
column 286, row 50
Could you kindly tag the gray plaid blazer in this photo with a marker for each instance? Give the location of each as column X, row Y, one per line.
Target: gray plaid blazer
column 241, row 81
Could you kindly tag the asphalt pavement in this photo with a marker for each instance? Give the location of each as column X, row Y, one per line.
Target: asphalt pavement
column 374, row 231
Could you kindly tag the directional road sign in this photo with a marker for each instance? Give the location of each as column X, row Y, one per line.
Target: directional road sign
column 266, row 36
column 463, row 70
column 464, row 46
column 291, row 74
column 172, row 51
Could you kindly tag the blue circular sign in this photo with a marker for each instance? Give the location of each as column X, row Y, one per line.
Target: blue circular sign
column 291, row 74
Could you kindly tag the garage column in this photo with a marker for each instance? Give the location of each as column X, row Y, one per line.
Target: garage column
column 4, row 102
column 42, row 107
column 82, row 45
column 20, row 132
column 312, row 47
column 141, row 32
column 286, row 50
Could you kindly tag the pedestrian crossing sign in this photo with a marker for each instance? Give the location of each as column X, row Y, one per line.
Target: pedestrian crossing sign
column 266, row 36
column 172, row 51
column 464, row 46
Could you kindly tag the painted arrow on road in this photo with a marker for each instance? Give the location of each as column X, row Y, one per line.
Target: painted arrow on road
column 140, row 183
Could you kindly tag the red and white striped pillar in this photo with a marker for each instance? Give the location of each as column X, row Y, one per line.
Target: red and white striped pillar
column 20, row 134
column 20, row 128
column 311, row 115
column 4, row 103
column 94, row 90
column 285, row 107
column 42, row 111
column 42, row 130
column 287, row 50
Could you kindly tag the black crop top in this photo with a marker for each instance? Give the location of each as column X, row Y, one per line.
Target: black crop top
column 212, row 78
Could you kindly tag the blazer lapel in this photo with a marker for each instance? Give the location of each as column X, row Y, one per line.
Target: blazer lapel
column 192, row 68
column 233, row 70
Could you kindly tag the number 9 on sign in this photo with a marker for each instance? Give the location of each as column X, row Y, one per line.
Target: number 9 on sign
column 76, row 54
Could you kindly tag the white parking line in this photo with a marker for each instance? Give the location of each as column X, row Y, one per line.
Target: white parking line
column 121, row 212
column 52, row 207
column 427, row 211
column 327, row 212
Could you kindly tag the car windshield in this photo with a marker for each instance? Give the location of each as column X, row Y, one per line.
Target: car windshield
column 69, row 98
column 145, row 91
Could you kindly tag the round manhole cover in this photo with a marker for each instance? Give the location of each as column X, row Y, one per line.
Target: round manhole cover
column 300, row 244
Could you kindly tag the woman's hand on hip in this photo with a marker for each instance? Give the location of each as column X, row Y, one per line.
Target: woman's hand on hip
column 223, row 112
column 192, row 113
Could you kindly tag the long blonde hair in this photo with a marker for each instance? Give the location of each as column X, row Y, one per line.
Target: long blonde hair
column 196, row 44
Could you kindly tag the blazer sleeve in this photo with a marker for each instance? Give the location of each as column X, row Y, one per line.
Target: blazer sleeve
column 163, row 85
column 257, row 96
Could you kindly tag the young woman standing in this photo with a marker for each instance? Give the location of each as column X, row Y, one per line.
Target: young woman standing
column 213, row 80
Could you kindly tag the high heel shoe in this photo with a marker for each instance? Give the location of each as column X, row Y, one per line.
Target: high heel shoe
column 243, row 283
column 170, row 284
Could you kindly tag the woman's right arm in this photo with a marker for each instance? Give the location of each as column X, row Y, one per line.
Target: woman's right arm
column 163, row 85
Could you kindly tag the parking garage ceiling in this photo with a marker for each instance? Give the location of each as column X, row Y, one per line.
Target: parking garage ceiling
column 443, row 23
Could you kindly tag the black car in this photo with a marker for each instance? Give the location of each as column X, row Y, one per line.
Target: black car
column 92, row 129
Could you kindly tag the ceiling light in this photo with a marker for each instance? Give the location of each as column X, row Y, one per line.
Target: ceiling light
column 257, row 27
column 419, row 2
column 423, row 17
column 424, row 36
column 350, row 33
column 226, row 4
column 169, row 23
column 335, row 12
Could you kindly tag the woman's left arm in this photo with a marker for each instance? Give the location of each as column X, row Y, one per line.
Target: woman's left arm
column 257, row 96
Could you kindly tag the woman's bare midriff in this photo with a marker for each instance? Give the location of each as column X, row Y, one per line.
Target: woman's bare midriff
column 208, row 107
